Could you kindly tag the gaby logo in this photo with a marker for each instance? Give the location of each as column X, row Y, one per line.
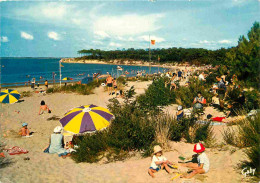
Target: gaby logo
column 248, row 171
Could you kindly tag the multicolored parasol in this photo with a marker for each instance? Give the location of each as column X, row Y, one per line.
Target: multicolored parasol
column 67, row 79
column 87, row 118
column 9, row 96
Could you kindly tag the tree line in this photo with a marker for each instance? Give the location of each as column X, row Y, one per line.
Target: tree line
column 242, row 60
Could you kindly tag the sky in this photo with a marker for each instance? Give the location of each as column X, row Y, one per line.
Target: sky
column 61, row 28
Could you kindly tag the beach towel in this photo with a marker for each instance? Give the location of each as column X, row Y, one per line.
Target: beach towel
column 16, row 150
column 219, row 119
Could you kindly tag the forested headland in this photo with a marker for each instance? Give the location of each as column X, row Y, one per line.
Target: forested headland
column 242, row 60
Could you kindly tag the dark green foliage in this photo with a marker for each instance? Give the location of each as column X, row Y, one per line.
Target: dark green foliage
column 247, row 135
column 191, row 55
column 91, row 147
column 252, row 100
column 243, row 60
column 186, row 95
column 249, row 131
column 250, row 136
column 253, row 155
column 78, row 88
column 180, row 129
column 121, row 79
column 203, row 132
column 156, row 95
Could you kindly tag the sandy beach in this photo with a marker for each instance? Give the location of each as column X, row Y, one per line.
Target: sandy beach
column 47, row 168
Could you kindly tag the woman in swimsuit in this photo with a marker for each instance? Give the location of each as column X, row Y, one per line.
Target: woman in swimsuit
column 43, row 108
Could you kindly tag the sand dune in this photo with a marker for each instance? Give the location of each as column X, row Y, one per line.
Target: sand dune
column 50, row 168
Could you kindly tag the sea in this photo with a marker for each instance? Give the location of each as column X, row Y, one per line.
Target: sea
column 18, row 71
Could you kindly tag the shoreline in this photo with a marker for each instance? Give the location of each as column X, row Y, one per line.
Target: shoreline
column 116, row 62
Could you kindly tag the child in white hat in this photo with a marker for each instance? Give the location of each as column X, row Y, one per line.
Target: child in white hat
column 203, row 162
column 158, row 161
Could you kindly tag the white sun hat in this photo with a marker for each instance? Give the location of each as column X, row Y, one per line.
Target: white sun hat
column 179, row 108
column 57, row 129
column 157, row 149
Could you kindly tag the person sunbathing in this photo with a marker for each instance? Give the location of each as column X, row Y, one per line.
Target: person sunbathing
column 24, row 131
column 43, row 108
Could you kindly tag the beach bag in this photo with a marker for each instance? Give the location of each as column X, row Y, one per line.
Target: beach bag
column 204, row 101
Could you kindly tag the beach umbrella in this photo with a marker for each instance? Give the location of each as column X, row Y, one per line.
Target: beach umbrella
column 67, row 78
column 9, row 96
column 86, row 118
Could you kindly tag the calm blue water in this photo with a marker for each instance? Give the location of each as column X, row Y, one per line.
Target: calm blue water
column 16, row 70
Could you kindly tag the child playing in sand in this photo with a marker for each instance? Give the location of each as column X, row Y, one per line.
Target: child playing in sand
column 24, row 131
column 158, row 161
column 203, row 162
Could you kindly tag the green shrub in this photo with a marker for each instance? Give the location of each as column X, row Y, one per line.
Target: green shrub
column 203, row 133
column 252, row 100
column 77, row 88
column 185, row 95
column 26, row 94
column 121, row 79
column 231, row 137
column 156, row 95
column 247, row 135
column 91, row 147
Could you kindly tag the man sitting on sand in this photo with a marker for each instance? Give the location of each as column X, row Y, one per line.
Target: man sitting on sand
column 43, row 108
column 198, row 101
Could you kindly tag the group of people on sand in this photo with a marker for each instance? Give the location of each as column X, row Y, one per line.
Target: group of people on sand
column 198, row 165
column 32, row 82
column 24, row 131
column 56, row 142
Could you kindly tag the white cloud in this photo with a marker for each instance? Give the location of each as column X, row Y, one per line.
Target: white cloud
column 146, row 38
column 131, row 24
column 54, row 10
column 26, row 35
column 114, row 44
column 4, row 39
column 204, row 42
column 54, row 35
column 224, row 41
column 101, row 34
